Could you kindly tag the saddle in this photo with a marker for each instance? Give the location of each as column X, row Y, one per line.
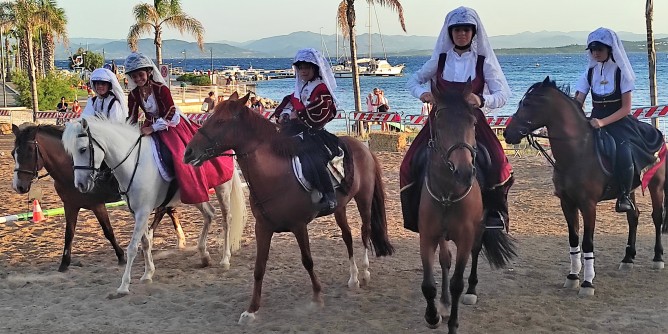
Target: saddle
column 163, row 158
column 335, row 168
column 606, row 154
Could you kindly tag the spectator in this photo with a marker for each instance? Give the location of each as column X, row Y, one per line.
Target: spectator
column 76, row 108
column 256, row 104
column 61, row 108
column 210, row 102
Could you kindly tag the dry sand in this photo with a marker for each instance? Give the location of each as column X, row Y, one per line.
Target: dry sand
column 184, row 298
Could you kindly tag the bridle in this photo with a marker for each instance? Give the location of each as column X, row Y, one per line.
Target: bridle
column 91, row 162
column 35, row 171
column 449, row 198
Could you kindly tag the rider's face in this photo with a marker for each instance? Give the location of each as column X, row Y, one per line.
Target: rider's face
column 101, row 87
column 462, row 35
column 306, row 71
column 140, row 77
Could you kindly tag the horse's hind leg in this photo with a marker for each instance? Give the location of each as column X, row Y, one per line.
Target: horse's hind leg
column 174, row 216
column 427, row 252
column 71, row 215
column 656, row 190
column 208, row 213
column 342, row 221
column 301, row 234
column 102, row 216
column 632, row 219
column 147, row 247
column 445, row 259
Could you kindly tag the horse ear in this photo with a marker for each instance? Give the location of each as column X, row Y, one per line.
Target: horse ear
column 435, row 92
column 468, row 88
column 84, row 123
column 15, row 130
column 547, row 80
column 244, row 99
column 234, row 96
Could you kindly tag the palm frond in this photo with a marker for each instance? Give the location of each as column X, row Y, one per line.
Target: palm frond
column 136, row 31
column 394, row 5
column 187, row 24
column 342, row 19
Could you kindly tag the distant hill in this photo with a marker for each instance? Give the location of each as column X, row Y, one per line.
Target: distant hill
column 286, row 45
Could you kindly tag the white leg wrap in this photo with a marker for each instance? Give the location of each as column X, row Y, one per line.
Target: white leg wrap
column 576, row 263
column 589, row 267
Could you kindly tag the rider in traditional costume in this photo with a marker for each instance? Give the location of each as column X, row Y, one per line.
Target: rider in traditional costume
column 165, row 123
column 462, row 52
column 109, row 103
column 306, row 112
column 610, row 78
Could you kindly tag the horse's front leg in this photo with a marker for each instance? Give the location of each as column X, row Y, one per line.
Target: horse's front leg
column 632, row 219
column 570, row 210
column 103, row 218
column 71, row 216
column 656, row 190
column 428, row 244
column 263, row 241
column 346, row 235
column 464, row 247
column 445, row 260
column 141, row 225
column 301, row 234
column 208, row 213
column 471, row 296
column 589, row 219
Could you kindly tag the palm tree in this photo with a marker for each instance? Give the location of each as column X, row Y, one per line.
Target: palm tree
column 26, row 17
column 54, row 27
column 651, row 51
column 150, row 18
column 346, row 22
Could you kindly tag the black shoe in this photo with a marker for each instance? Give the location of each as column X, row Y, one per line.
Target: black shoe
column 328, row 204
column 624, row 204
column 495, row 221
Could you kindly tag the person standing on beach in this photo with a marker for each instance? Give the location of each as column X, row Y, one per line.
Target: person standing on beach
column 610, row 78
column 462, row 52
column 305, row 113
column 109, row 101
column 165, row 123
column 210, row 101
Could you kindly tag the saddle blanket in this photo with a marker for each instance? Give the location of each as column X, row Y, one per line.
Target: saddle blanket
column 166, row 171
column 335, row 168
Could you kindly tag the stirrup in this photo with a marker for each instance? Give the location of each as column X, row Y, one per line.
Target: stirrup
column 498, row 217
column 626, row 202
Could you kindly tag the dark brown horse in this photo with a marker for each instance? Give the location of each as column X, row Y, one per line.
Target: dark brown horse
column 451, row 208
column 38, row 147
column 278, row 201
column 579, row 179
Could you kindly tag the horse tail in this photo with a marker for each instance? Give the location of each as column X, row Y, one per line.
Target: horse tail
column 379, row 238
column 499, row 247
column 237, row 210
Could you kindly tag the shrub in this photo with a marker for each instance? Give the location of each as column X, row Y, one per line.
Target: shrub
column 198, row 80
column 49, row 89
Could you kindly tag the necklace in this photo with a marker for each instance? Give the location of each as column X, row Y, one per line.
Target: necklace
column 603, row 80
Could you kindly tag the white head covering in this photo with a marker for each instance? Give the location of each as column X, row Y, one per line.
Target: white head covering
column 479, row 44
column 137, row 61
column 314, row 57
column 103, row 74
column 610, row 38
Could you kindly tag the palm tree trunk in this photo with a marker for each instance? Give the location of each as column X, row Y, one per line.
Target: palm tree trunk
column 23, row 52
column 31, row 75
column 37, row 56
column 651, row 51
column 158, row 46
column 8, row 65
column 49, row 53
column 350, row 15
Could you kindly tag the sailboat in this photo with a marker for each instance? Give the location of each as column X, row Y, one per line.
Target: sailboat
column 378, row 66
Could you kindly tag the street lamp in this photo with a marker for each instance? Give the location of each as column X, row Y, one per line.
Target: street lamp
column 211, row 50
column 184, row 60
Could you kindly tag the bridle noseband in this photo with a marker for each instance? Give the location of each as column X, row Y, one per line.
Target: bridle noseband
column 35, row 171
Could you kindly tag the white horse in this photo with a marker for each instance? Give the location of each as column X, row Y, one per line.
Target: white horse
column 130, row 156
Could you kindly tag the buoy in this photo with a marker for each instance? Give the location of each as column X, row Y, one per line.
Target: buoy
column 36, row 212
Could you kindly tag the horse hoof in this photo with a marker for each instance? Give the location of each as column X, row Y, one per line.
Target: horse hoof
column 469, row 299
column 246, row 318
column 353, row 283
column 181, row 246
column 626, row 266
column 586, row 290
column 435, row 325
column 657, row 265
column 122, row 262
column 206, row 261
column 146, row 280
column 63, row 268
column 366, row 277
column 572, row 283
column 117, row 295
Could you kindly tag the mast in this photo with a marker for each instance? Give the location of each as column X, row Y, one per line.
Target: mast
column 369, row 31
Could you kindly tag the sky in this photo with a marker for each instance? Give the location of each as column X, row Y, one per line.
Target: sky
column 240, row 21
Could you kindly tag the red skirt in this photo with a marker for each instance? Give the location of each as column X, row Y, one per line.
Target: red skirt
column 500, row 170
column 194, row 182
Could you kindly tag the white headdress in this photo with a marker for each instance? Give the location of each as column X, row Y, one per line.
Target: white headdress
column 479, row 44
column 610, row 38
column 314, row 57
column 137, row 61
column 103, row 74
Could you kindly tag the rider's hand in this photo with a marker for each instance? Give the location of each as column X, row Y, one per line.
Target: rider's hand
column 596, row 123
column 145, row 131
column 427, row 97
column 474, row 100
column 284, row 118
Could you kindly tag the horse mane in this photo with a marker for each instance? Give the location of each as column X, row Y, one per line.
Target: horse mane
column 282, row 145
column 548, row 83
column 101, row 125
column 29, row 131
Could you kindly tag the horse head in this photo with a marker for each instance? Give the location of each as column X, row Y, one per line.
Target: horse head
column 453, row 133
column 27, row 159
column 543, row 104
column 232, row 126
column 86, row 153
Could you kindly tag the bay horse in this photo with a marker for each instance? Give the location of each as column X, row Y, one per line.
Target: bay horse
column 278, row 201
column 451, row 209
column 579, row 180
column 38, row 147
column 92, row 141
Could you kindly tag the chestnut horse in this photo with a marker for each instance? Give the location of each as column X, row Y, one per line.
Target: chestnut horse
column 579, row 180
column 278, row 201
column 451, row 208
column 38, row 147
